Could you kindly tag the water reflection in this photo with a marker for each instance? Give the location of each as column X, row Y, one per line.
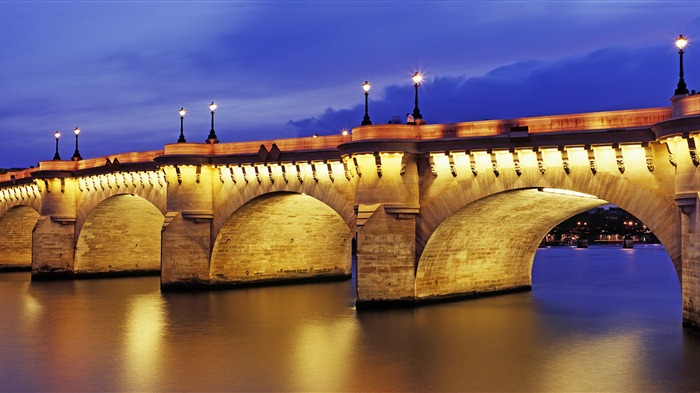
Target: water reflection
column 145, row 322
column 329, row 347
column 596, row 320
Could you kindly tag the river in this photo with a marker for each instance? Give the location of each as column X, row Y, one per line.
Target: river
column 597, row 319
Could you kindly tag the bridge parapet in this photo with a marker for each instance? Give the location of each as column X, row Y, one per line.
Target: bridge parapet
column 581, row 122
column 684, row 105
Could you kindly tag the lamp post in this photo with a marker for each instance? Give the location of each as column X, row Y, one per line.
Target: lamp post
column 681, row 42
column 181, row 139
column 76, row 153
column 366, row 121
column 417, row 78
column 56, row 156
column 212, row 134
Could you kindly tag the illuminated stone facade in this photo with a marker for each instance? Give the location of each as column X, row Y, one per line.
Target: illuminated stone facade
column 436, row 210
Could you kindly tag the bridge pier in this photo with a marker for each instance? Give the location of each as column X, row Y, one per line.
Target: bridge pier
column 186, row 238
column 53, row 237
column 386, row 202
column 690, row 280
column 386, row 257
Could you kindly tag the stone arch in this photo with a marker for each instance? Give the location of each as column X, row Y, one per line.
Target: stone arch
column 489, row 245
column 32, row 200
column 332, row 195
column 656, row 210
column 121, row 234
column 281, row 236
column 90, row 198
column 16, row 225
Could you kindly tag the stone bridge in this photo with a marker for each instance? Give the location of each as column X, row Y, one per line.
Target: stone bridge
column 436, row 211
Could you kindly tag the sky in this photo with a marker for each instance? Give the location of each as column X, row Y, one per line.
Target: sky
column 121, row 70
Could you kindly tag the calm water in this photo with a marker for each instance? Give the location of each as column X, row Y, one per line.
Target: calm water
column 598, row 319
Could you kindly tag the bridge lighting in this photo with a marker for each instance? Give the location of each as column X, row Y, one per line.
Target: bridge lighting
column 345, row 132
column 566, row 192
column 365, row 121
column 182, row 139
column 417, row 79
column 76, row 153
column 58, row 136
column 212, row 134
column 681, row 88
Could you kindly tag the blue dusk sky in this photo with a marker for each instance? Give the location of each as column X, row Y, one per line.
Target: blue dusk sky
column 121, row 70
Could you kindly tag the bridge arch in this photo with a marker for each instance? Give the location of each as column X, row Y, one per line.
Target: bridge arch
column 121, row 234
column 90, row 198
column 281, row 236
column 16, row 225
column 479, row 223
column 337, row 196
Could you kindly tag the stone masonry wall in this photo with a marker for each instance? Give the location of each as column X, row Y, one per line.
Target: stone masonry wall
column 280, row 236
column 121, row 234
column 16, row 226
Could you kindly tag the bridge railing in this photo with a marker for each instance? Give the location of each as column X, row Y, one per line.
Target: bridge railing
column 65, row 165
column 594, row 121
column 327, row 142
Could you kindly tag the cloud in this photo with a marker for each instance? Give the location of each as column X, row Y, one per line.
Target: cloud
column 606, row 79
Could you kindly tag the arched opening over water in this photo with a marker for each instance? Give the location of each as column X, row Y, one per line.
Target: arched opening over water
column 16, row 226
column 490, row 244
column 121, row 234
column 281, row 236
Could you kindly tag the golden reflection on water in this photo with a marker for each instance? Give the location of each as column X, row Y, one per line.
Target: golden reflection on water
column 587, row 364
column 143, row 338
column 323, row 353
column 31, row 308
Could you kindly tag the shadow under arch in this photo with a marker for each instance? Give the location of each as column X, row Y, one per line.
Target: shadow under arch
column 122, row 234
column 281, row 236
column 489, row 245
column 16, row 226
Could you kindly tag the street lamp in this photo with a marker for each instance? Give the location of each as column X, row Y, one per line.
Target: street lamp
column 681, row 42
column 366, row 121
column 181, row 139
column 212, row 134
column 56, row 156
column 76, row 153
column 417, row 78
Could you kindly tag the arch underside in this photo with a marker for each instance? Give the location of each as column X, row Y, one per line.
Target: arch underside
column 490, row 244
column 121, row 234
column 281, row 236
column 16, row 226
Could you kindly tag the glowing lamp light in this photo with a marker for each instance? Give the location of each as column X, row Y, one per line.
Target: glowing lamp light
column 365, row 120
column 681, row 88
column 182, row 139
column 417, row 78
column 681, row 42
column 345, row 132
column 76, row 153
column 212, row 134
column 57, row 135
column 366, row 86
